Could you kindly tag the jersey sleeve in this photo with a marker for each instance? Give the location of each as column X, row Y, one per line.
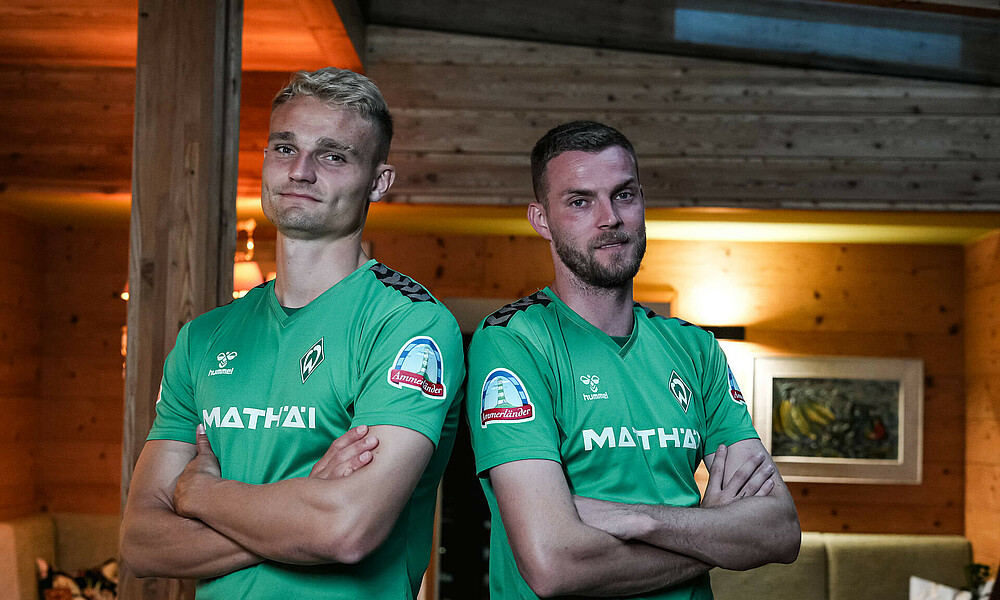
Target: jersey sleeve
column 510, row 399
column 176, row 415
column 727, row 415
column 411, row 371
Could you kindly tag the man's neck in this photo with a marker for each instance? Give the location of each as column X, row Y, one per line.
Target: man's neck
column 307, row 268
column 608, row 309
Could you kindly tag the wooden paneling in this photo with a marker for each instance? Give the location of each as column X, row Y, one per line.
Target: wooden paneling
column 22, row 264
column 468, row 109
column 875, row 300
column 102, row 33
column 982, row 485
column 80, row 412
column 708, row 132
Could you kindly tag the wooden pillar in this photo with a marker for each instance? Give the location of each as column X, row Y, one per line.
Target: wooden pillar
column 183, row 232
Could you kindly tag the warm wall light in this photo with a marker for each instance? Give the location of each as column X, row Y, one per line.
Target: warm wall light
column 714, row 302
column 246, row 276
column 246, row 272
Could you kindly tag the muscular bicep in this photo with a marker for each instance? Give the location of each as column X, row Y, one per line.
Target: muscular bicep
column 369, row 502
column 536, row 507
column 398, row 462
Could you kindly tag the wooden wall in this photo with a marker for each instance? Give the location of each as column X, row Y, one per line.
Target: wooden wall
column 21, row 264
column 80, row 413
column 982, row 441
column 468, row 110
column 868, row 300
column 818, row 299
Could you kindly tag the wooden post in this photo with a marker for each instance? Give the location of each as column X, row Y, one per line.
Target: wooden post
column 183, row 220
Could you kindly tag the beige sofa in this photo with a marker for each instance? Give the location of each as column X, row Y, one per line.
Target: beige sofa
column 830, row 566
column 840, row 566
column 70, row 542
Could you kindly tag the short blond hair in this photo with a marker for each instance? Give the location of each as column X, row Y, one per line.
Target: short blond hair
column 343, row 89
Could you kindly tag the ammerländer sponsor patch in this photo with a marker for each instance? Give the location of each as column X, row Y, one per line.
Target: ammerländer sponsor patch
column 504, row 399
column 419, row 366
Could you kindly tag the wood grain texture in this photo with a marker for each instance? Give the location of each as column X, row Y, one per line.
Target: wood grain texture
column 80, row 411
column 469, row 108
column 22, row 264
column 982, row 347
column 183, row 217
column 876, row 300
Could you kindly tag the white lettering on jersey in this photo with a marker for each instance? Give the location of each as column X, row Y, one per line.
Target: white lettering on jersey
column 290, row 417
column 675, row 437
column 232, row 419
column 607, row 437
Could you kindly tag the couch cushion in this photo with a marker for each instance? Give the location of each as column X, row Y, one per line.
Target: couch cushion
column 21, row 542
column 804, row 579
column 880, row 566
column 85, row 541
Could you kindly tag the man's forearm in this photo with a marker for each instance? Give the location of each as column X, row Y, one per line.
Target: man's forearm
column 315, row 519
column 616, row 567
column 590, row 562
column 156, row 542
column 294, row 521
column 742, row 535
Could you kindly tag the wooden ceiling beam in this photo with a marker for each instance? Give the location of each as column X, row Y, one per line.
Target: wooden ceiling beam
column 322, row 20
column 984, row 9
column 799, row 33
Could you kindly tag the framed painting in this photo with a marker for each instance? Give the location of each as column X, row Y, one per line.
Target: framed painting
column 841, row 420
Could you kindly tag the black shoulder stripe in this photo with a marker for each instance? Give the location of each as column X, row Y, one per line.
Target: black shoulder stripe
column 503, row 315
column 652, row 314
column 401, row 283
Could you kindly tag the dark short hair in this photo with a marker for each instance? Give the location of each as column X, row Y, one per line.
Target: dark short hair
column 343, row 89
column 580, row 136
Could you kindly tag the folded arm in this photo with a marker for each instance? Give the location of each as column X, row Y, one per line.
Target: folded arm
column 158, row 542
column 310, row 520
column 732, row 528
column 558, row 554
column 155, row 540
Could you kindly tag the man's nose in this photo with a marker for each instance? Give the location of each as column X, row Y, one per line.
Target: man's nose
column 608, row 213
column 303, row 169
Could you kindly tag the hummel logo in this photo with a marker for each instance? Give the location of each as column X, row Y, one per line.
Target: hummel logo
column 591, row 380
column 225, row 357
column 311, row 359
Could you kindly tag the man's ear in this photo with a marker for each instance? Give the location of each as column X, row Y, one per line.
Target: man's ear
column 539, row 220
column 385, row 175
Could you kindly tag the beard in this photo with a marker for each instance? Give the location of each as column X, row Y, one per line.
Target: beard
column 584, row 264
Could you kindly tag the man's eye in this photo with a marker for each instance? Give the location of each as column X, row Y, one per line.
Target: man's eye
column 283, row 150
column 625, row 195
column 333, row 158
column 578, row 202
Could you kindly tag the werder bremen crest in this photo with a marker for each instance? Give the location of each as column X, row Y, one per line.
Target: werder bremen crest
column 311, row 359
column 680, row 390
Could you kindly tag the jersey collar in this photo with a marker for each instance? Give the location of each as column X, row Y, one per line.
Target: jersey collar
column 563, row 309
column 326, row 297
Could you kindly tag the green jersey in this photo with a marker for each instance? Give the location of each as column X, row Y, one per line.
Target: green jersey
column 274, row 390
column 627, row 423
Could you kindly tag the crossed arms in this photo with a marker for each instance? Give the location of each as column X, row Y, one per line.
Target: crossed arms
column 183, row 520
column 572, row 545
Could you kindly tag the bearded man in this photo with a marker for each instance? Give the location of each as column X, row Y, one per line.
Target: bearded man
column 593, row 412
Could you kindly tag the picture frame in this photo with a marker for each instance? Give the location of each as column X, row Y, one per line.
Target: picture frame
column 841, row 419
